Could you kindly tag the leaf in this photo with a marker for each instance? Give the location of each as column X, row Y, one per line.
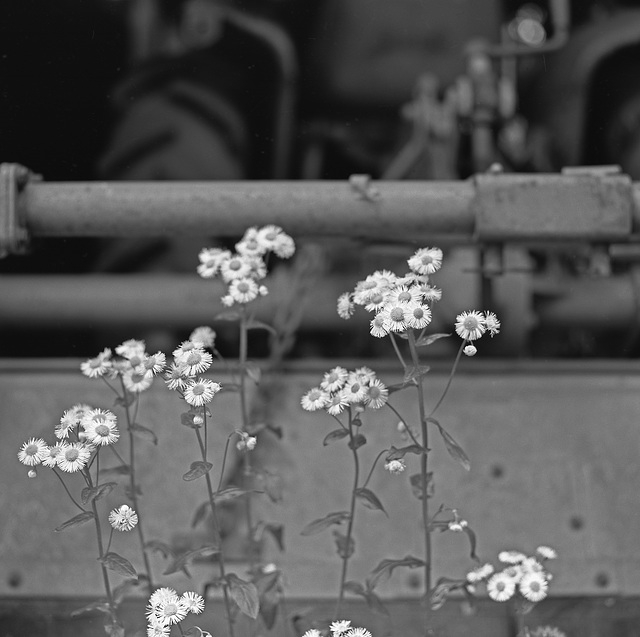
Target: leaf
column 156, row 546
column 100, row 606
column 227, row 316
column 272, row 484
column 373, row 601
column 122, row 589
column 442, row 588
column 431, row 338
column 346, row 546
column 275, row 530
column 357, row 441
column 385, row 569
column 119, row 564
column 144, row 433
column 416, row 485
column 472, row 541
column 370, row 500
column 244, row 594
column 253, row 372
column 125, row 401
column 200, row 513
column 454, row 449
column 336, row 434
column 259, row 325
column 120, row 470
column 197, row 470
column 183, row 560
column 186, row 419
column 397, row 454
column 113, row 628
column 228, row 494
column 89, row 495
column 413, row 374
column 354, row 587
column 81, row 518
column 324, row 523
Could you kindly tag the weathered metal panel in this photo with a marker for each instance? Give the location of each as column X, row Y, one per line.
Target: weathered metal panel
column 554, row 461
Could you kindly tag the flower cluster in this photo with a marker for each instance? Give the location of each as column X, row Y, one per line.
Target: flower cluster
column 81, row 430
column 243, row 269
column 400, row 303
column 340, row 628
column 166, row 608
column 521, row 574
column 132, row 364
column 190, row 360
column 341, row 388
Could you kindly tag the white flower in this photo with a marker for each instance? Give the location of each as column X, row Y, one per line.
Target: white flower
column 395, row 466
column 334, row 379
column 492, row 323
column 377, row 394
column 470, row 350
column 501, row 587
column 201, row 391
column 470, row 325
column 132, row 347
column 204, row 336
column 418, row 316
column 426, row 261
column 98, row 366
column 33, row 452
column 314, row 399
column 194, row 361
column 124, row 518
column 546, row 552
column 243, row 290
column 74, row 457
column 339, row 627
column 511, row 557
column 481, row 573
column 345, row 307
column 193, row 602
column 533, row 586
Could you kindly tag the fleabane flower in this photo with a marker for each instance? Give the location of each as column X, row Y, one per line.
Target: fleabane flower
column 354, row 392
column 130, row 348
column 137, row 381
column 71, row 419
column 204, row 335
column 176, row 378
column 123, row 518
column 378, row 326
column 492, row 323
column 426, row 261
column 470, row 350
column 481, row 573
column 533, row 586
column 98, row 417
column 501, row 587
column 418, row 316
column 312, row 632
column 358, row 632
column 339, row 627
column 395, row 316
column 193, row 602
column 237, row 266
column 74, row 457
column 102, row 433
column 200, row 392
column 97, row 366
column 243, row 290
column 547, row 553
column 155, row 363
column 194, row 361
column 334, row 379
column 284, row 246
column 345, row 307
column 511, row 557
column 33, row 452
column 316, row 398
column 52, row 456
column 336, row 405
column 470, row 325
column 377, row 394
column 395, row 466
column 210, row 261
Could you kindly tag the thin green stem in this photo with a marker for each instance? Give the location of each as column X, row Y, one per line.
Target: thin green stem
column 397, row 350
column 424, row 477
column 67, row 490
column 224, row 459
column 373, row 466
column 352, row 512
column 449, row 380
column 404, row 422
column 110, row 539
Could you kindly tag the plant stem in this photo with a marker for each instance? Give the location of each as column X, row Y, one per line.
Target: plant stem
column 67, row 490
column 407, row 428
column 352, row 512
column 373, row 466
column 397, row 351
column 424, row 476
column 449, row 380
column 216, row 526
column 133, row 488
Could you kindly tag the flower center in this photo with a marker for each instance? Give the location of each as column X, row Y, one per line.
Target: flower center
column 235, row 264
column 427, row 259
column 95, row 363
column 377, row 298
column 135, row 361
column 368, row 285
column 71, row 455
column 404, row 296
column 374, row 392
column 397, row 314
column 243, row 287
column 198, row 390
column 271, row 236
column 194, row 358
column 471, row 323
column 102, row 430
column 170, row 609
column 31, row 450
column 137, row 377
column 418, row 313
column 355, row 388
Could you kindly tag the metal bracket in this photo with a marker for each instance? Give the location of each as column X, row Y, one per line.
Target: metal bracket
column 581, row 204
column 14, row 237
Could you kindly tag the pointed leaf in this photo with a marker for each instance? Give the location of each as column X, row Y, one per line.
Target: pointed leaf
column 442, row 589
column 414, row 374
column 122, row 589
column 373, row 601
column 100, row 606
column 200, row 513
column 119, row 564
column 231, row 493
column 354, row 587
column 259, row 325
column 336, row 434
column 357, row 441
column 88, row 495
column 386, row 567
column 324, row 523
column 416, row 485
column 272, row 484
column 197, row 470
column 186, row 558
column 144, row 433
column 346, row 546
column 81, row 518
column 454, row 449
column 398, row 454
column 370, row 500
column 244, row 594
column 431, row 338
column 472, row 541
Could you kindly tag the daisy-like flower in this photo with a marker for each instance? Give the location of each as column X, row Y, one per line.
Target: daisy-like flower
column 547, row 631
column 470, row 350
column 511, row 557
column 237, row 266
column 426, row 261
column 138, row 381
column 52, row 456
column 531, row 565
column 501, row 587
column 33, row 452
column 395, row 316
column 334, row 379
column 336, row 404
column 284, row 246
column 315, row 398
column 376, row 302
column 249, row 246
column 102, row 433
column 98, row 417
column 243, row 290
column 124, row 518
column 358, row 632
column 546, row 552
column 175, row 377
column 157, row 629
column 74, row 457
column 312, row 632
column 418, row 316
column 378, row 326
column 155, row 363
column 204, row 336
column 362, row 374
column 377, row 394
column 470, row 325
column 172, row 612
column 160, row 596
column 492, row 323
column 480, row 574
column 404, row 294
column 131, row 347
column 365, row 290
column 193, row 602
column 533, row 586
column 339, row 627
column 227, row 300
column 395, row 466
column 354, row 392
column 210, row 261
column 268, row 236
column 98, row 366
column 431, row 293
column 71, row 419
column 194, row 361
column 200, row 392
column 346, row 307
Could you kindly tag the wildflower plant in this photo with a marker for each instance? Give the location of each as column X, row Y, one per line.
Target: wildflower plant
column 401, row 308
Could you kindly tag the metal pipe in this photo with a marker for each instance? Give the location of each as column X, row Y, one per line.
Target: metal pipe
column 116, row 209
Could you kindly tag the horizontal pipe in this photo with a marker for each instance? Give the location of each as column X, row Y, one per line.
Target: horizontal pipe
column 116, row 209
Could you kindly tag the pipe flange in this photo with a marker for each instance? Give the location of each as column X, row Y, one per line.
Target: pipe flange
column 14, row 236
